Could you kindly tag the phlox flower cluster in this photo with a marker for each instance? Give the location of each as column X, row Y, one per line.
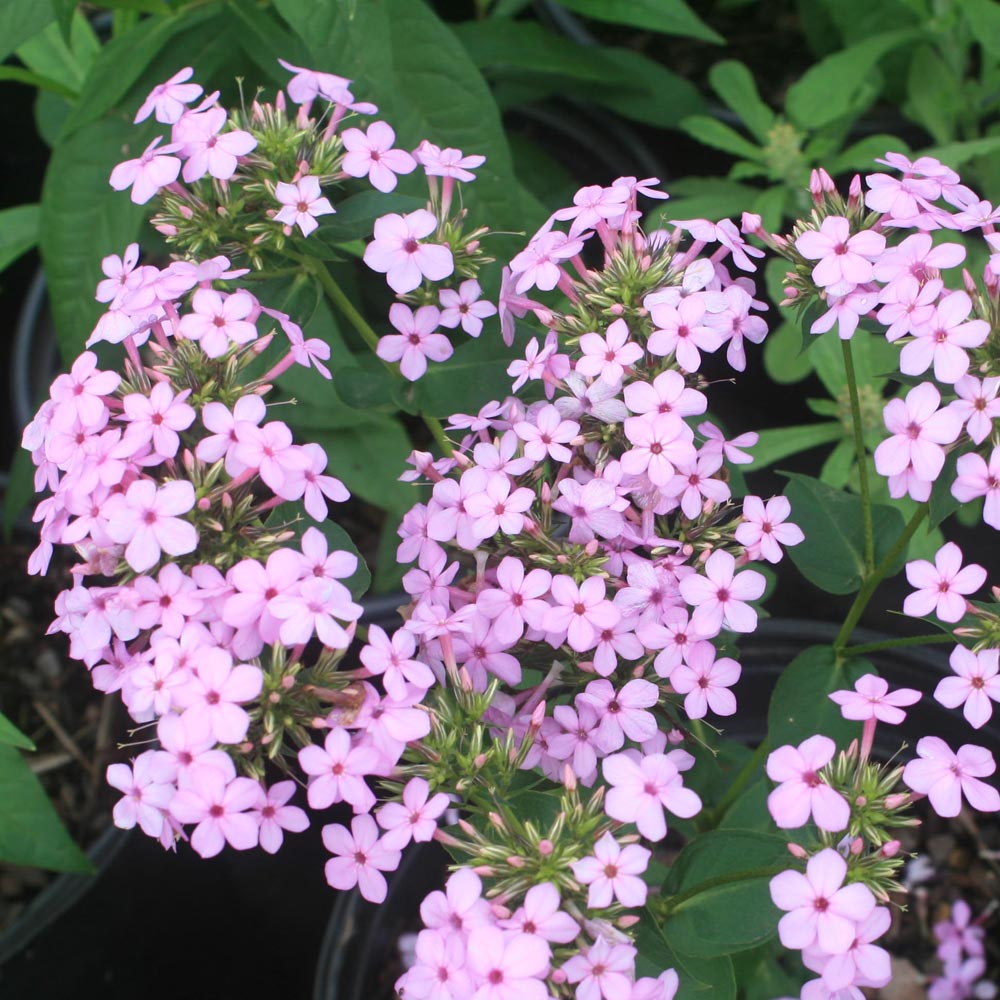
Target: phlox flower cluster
column 194, row 598
column 960, row 948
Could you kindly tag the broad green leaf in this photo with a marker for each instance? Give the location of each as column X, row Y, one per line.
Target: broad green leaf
column 21, row 20
column 66, row 62
column 735, row 84
column 983, row 17
column 18, row 232
column 872, row 355
column 82, row 220
column 727, row 874
column 702, row 978
column 957, row 154
column 781, row 442
column 830, row 88
column 365, row 388
column 11, row 736
column 264, row 39
column 41, row 83
column 749, row 811
column 51, row 112
column 784, row 360
column 705, row 198
column 832, row 554
column 714, row 133
column 862, row 154
column 800, row 706
column 942, row 503
column 670, row 17
column 836, row 469
column 31, row 832
column 934, row 94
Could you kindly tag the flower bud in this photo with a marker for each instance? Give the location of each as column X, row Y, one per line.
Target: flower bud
column 545, row 848
column 629, row 920
column 797, row 850
column 516, row 861
column 890, row 849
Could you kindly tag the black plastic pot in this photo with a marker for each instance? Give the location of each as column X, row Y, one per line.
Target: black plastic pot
column 360, row 954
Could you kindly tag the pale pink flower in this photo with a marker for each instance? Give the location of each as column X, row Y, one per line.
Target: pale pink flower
column 764, row 529
column 416, row 341
column 255, row 587
column 360, row 858
column 302, row 203
column 844, row 260
column 732, row 448
column 642, row 789
column 498, row 508
column 918, row 430
column 167, row 602
column 465, row 307
column 958, row 935
column 207, row 148
column 533, row 365
column 719, row 597
column 154, row 169
column 918, row 258
column 81, row 392
column 223, row 423
column 663, row 987
column 595, row 508
column 274, row 816
column 581, row 612
column 415, row 818
column 447, row 162
column 221, row 808
column 594, row 205
column 508, row 967
column 623, row 712
column 682, row 331
column 613, row 872
column 516, row 601
column 607, row 357
column 157, row 418
column 863, row 964
column 398, row 253
column 439, row 970
column 537, row 265
column 314, row 610
column 821, row 909
column 316, row 487
column 217, row 322
column 658, row 443
column 308, row 84
column 217, row 689
column 667, row 393
column 602, row 970
column 576, row 739
column 977, row 405
column 941, row 586
column 975, row 685
column 940, row 341
column 944, row 777
column 370, row 154
column 169, row 99
column 461, row 906
column 846, row 311
column 146, row 795
column 147, row 522
column 909, row 306
column 695, row 486
column 392, row 659
column 547, row 435
column 540, row 915
column 269, row 451
column 338, row 770
column 976, row 479
column 871, row 699
column 676, row 637
column 706, row 682
column 802, row 791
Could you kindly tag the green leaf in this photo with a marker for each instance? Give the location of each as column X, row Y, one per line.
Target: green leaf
column 735, row 84
column 800, row 706
column 725, row 874
column 942, row 503
column 669, row 17
column 872, row 355
column 264, row 39
column 355, row 216
column 781, row 442
column 934, row 94
column 830, row 88
column 31, row 832
column 836, row 471
column 20, row 489
column 784, row 360
column 21, row 20
column 983, row 17
column 713, row 133
column 62, row 58
column 11, row 736
column 832, row 554
column 862, row 154
column 957, row 154
column 18, row 232
column 36, row 80
column 82, row 219
column 703, row 978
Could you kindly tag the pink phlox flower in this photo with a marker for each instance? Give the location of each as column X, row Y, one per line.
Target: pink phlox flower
column 622, row 712
column 719, row 597
column 976, row 214
column 413, row 532
column 154, row 169
column 736, row 324
column 603, row 970
column 729, row 236
column 500, row 455
column 918, row 430
column 302, row 202
column 607, row 357
column 415, row 818
column 416, row 341
column 580, row 614
column 317, row 609
column 533, row 365
column 337, row 772
column 370, row 154
column 167, row 602
column 181, row 276
column 598, row 399
column 975, row 685
column 909, row 306
column 595, row 508
column 683, row 331
column 390, row 723
column 594, row 205
column 309, row 353
column 217, row 689
column 270, row 452
column 465, row 307
column 217, row 322
column 157, row 418
column 961, row 980
column 460, row 907
column 732, row 449
column 764, row 529
column 149, row 688
column 145, row 795
column 221, row 807
column 872, row 699
column 538, row 264
column 360, row 858
column 209, row 150
column 844, row 260
column 223, row 424
column 511, row 306
column 274, row 816
column 508, row 966
column 613, row 872
column 667, row 393
column 316, row 487
column 392, row 659
column 169, row 99
column 676, row 637
column 977, row 405
column 255, row 586
column 696, row 486
column 659, row 442
column 447, row 162
column 976, row 479
column 431, row 621
column 540, row 915
column 499, row 507
column 449, row 518
column 617, row 641
column 958, row 935
column 801, row 791
column 80, row 393
column 397, row 252
column 431, row 580
column 863, row 964
column 941, row 340
column 576, row 739
column 821, row 909
column 308, row 84
column 944, row 777
column 941, row 586
column 188, row 741
column 663, row 987
column 706, row 682
column 439, row 969
column 484, row 420
column 147, row 521
column 846, row 311
column 917, row 257
column 546, row 434
column 480, row 652
column 651, row 590
column 516, row 600
column 903, row 199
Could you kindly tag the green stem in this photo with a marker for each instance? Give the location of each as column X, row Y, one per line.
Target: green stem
column 872, row 581
column 736, row 786
column 862, row 454
column 910, row 640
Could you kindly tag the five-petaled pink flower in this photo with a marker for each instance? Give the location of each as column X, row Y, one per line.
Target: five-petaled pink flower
column 337, row 771
column 607, row 357
column 941, row 585
column 509, row 967
column 359, row 858
column 275, row 816
column 944, row 776
column 613, row 872
column 976, row 683
column 465, row 307
column 154, row 169
column 370, row 154
column 719, row 597
column 301, row 203
column 219, row 321
column 220, row 808
column 802, row 791
column 398, row 253
column 979, row 478
column 147, row 521
column 642, row 788
column 416, row 341
column 872, row 699
column 415, row 818
column 581, row 612
column 706, row 682
column 169, row 99
column 844, row 260
column 216, row 690
column 918, row 430
column 765, row 530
